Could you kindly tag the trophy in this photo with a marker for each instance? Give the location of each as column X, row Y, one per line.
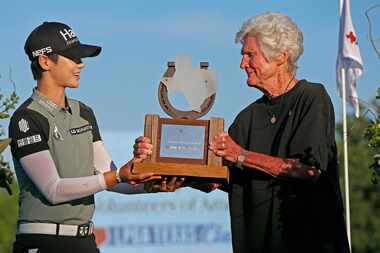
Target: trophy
column 180, row 143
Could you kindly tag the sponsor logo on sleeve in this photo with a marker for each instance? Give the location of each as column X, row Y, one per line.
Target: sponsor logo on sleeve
column 23, row 125
column 29, row 140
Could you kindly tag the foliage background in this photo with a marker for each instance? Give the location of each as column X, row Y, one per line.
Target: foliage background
column 364, row 195
column 8, row 218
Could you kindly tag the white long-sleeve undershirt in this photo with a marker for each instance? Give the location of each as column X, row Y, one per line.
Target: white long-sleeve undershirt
column 102, row 160
column 41, row 169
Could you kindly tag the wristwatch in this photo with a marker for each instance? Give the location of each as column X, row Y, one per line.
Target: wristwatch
column 241, row 159
column 118, row 177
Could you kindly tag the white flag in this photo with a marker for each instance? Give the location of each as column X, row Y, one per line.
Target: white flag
column 348, row 56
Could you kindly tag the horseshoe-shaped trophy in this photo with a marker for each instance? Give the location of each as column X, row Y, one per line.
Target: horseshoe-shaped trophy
column 180, row 143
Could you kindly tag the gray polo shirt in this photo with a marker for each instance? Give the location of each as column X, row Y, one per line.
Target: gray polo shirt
column 38, row 125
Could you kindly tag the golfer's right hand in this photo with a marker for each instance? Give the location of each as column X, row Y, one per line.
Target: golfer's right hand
column 128, row 176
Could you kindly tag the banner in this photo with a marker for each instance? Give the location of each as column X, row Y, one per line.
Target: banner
column 186, row 221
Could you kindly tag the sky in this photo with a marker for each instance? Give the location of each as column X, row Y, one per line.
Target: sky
column 139, row 38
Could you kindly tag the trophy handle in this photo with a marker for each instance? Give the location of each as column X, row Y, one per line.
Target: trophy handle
column 169, row 108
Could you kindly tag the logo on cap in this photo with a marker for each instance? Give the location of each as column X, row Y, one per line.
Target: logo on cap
column 69, row 36
column 45, row 50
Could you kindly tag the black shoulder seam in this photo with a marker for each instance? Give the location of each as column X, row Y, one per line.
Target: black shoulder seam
column 87, row 113
column 24, row 105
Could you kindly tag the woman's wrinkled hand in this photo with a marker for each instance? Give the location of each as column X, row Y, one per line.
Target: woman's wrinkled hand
column 142, row 149
column 223, row 145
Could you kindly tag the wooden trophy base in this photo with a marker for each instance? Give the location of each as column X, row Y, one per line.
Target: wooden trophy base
column 200, row 172
column 208, row 169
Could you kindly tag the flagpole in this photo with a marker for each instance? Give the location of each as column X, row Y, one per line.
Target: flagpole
column 345, row 155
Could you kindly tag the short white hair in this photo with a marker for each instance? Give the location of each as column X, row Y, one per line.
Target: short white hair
column 275, row 33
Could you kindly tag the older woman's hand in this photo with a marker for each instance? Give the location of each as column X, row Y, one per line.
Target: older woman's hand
column 142, row 149
column 223, row 145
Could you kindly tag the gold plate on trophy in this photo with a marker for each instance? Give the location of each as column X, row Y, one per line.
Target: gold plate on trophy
column 182, row 141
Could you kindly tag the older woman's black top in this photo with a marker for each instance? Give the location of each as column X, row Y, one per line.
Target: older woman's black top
column 280, row 214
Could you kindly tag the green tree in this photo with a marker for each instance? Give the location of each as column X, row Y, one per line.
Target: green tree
column 8, row 220
column 364, row 195
column 372, row 134
column 8, row 204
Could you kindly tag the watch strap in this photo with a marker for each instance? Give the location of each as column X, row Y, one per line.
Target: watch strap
column 241, row 159
column 118, row 178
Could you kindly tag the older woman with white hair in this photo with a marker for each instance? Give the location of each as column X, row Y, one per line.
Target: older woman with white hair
column 284, row 190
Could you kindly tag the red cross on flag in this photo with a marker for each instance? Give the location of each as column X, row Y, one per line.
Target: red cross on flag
column 348, row 56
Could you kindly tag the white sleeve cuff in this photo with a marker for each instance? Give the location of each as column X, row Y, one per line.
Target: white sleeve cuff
column 102, row 181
